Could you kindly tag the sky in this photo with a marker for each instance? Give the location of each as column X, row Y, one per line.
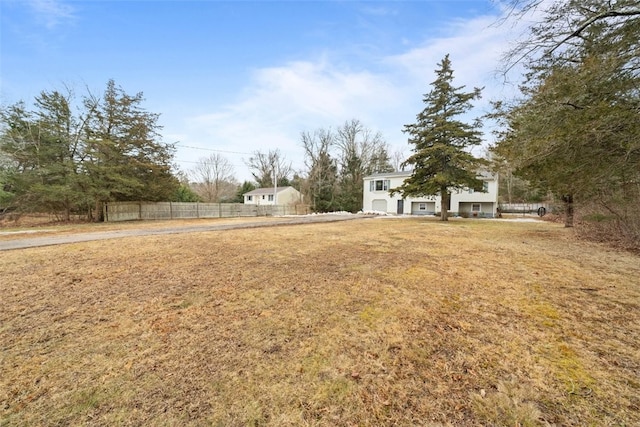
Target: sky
column 235, row 77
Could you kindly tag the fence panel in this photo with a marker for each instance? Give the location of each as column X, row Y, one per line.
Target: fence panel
column 160, row 210
column 184, row 210
column 121, row 211
column 130, row 211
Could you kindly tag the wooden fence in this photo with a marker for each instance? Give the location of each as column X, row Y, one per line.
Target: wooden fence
column 131, row 211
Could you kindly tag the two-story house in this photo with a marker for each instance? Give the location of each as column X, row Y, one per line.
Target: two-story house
column 466, row 202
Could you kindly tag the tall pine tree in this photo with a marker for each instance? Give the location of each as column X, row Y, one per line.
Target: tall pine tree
column 56, row 160
column 440, row 160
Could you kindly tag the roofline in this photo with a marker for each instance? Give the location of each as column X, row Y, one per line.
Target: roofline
column 400, row 173
column 266, row 190
column 483, row 174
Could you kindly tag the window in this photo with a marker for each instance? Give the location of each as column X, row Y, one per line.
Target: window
column 263, row 197
column 271, row 197
column 422, row 206
column 379, row 185
column 249, row 198
column 475, row 207
column 485, row 188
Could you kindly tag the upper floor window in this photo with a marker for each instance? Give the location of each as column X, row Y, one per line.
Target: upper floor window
column 249, row 198
column 271, row 197
column 485, row 188
column 379, row 185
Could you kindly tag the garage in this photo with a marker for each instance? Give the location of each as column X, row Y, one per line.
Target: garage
column 379, row 205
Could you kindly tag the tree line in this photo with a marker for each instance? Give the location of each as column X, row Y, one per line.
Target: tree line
column 336, row 161
column 68, row 155
column 572, row 133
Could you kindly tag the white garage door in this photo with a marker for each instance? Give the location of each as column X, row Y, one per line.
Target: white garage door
column 379, row 205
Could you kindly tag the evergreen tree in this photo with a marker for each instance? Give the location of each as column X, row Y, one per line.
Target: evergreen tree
column 42, row 150
column 323, row 176
column 575, row 130
column 124, row 159
column 321, row 181
column 57, row 161
column 184, row 193
column 242, row 189
column 440, row 140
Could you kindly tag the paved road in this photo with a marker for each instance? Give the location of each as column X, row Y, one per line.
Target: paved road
column 31, row 242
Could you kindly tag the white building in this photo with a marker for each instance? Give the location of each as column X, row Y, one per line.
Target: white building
column 463, row 202
column 271, row 196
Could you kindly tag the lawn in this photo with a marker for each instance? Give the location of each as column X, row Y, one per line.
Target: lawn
column 367, row 323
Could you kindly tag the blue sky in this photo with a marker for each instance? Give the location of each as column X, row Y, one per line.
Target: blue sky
column 240, row 76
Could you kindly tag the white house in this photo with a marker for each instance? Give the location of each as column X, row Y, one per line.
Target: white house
column 463, row 202
column 271, row 196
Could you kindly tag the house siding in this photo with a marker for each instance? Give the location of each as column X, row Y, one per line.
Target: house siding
column 284, row 196
column 462, row 201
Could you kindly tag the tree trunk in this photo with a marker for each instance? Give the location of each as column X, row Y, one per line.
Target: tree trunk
column 67, row 210
column 99, row 212
column 568, row 209
column 444, row 209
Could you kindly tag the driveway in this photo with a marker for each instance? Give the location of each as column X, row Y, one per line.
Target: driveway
column 31, row 242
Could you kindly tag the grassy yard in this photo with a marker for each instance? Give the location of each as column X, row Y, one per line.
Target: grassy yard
column 365, row 323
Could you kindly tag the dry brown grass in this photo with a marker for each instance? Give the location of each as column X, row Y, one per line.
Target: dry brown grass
column 34, row 226
column 371, row 322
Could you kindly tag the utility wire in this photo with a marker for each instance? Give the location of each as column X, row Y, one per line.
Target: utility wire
column 211, row 149
column 195, row 162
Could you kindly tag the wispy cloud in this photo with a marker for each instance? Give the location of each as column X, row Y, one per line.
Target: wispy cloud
column 52, row 13
column 281, row 101
column 475, row 46
column 378, row 11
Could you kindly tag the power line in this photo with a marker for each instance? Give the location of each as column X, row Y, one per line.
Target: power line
column 196, row 162
column 211, row 149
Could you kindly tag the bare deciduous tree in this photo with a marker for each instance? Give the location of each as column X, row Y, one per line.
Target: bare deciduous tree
column 263, row 165
column 214, row 178
column 357, row 141
column 397, row 160
column 562, row 31
column 361, row 152
column 337, row 162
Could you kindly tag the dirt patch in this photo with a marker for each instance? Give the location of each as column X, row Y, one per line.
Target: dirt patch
column 406, row 322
